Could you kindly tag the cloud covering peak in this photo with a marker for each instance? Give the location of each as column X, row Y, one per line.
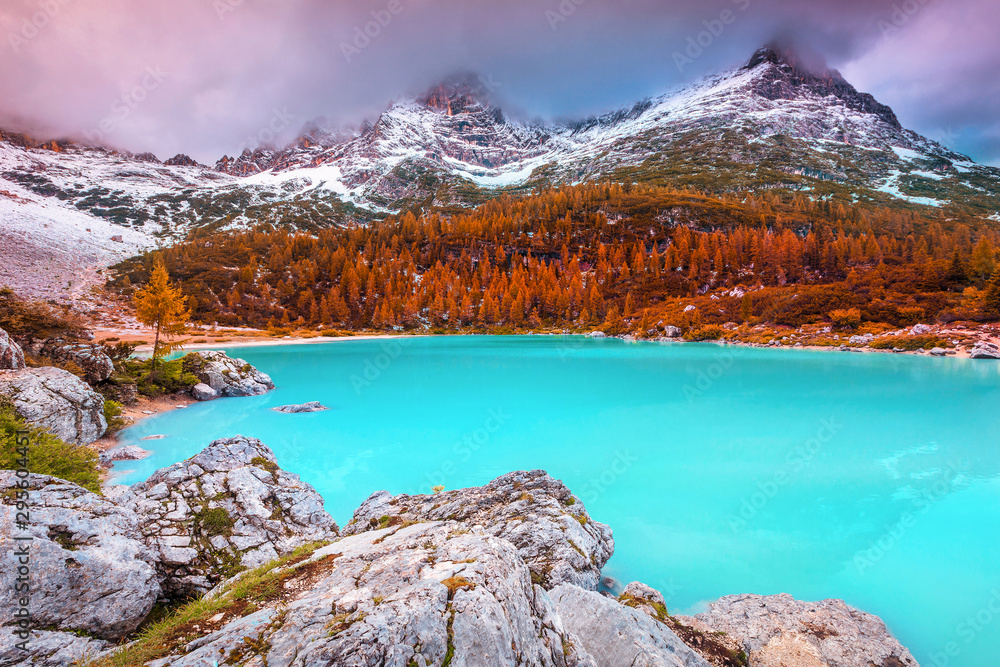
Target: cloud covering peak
column 205, row 77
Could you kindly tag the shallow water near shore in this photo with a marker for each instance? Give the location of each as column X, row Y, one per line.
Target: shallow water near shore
column 868, row 477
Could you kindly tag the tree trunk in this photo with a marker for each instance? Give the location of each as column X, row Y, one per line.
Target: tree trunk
column 156, row 345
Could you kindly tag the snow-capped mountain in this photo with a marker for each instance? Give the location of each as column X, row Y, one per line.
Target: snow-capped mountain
column 772, row 123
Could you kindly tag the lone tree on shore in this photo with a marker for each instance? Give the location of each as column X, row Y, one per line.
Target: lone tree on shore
column 162, row 306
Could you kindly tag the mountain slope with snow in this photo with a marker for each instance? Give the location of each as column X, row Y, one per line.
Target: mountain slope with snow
column 772, row 123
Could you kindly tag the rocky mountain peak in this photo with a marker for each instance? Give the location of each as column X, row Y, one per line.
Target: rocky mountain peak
column 461, row 93
column 788, row 73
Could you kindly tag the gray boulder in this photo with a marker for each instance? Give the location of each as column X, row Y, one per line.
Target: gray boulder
column 202, row 392
column 47, row 648
column 779, row 630
column 57, row 401
column 124, row 453
column 11, row 355
column 540, row 516
column 425, row 594
column 89, row 572
column 615, row 634
column 226, row 508
column 231, row 377
column 312, row 406
column 672, row 332
column 985, row 350
column 92, row 358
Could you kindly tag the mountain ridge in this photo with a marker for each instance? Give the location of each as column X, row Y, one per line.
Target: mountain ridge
column 774, row 123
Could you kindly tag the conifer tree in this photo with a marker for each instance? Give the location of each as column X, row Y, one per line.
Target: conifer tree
column 160, row 305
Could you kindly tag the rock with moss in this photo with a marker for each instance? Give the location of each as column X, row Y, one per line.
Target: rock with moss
column 779, row 630
column 228, row 376
column 89, row 571
column 11, row 355
column 617, row 634
column 227, row 508
column 56, row 401
column 91, row 358
column 538, row 514
column 427, row 594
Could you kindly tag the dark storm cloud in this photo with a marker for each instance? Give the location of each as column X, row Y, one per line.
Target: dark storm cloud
column 208, row 76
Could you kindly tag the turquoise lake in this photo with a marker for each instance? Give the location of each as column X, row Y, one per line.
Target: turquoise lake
column 867, row 477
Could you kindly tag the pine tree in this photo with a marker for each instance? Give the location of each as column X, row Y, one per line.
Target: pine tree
column 161, row 305
column 991, row 302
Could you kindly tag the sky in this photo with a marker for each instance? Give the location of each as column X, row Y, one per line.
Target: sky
column 210, row 77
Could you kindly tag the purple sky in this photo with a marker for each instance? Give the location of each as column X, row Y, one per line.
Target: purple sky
column 207, row 76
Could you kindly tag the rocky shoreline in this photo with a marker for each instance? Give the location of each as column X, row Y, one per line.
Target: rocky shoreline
column 504, row 574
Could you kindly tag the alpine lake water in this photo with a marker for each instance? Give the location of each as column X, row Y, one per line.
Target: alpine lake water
column 872, row 478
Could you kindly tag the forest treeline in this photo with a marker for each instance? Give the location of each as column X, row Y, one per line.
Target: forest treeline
column 598, row 255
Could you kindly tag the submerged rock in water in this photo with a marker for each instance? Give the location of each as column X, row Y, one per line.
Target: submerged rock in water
column 89, row 571
column 779, row 630
column 540, row 516
column 226, row 508
column 312, row 406
column 11, row 355
column 57, row 401
column 231, row 377
column 425, row 594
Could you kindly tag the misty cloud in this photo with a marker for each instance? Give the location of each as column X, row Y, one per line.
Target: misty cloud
column 239, row 72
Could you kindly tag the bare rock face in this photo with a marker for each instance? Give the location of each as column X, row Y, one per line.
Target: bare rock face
column 425, row 594
column 57, row 401
column 779, row 630
column 226, row 508
column 93, row 359
column 615, row 634
column 11, row 355
column 46, row 648
column 89, row 571
column 549, row 526
column 231, row 377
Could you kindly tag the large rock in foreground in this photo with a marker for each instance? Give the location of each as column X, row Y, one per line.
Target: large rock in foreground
column 57, row 401
column 227, row 508
column 537, row 514
column 614, row 634
column 231, row 377
column 11, row 355
column 426, row 594
column 779, row 630
column 89, row 572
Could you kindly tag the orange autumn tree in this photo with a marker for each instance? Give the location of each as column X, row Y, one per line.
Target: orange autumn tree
column 162, row 306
